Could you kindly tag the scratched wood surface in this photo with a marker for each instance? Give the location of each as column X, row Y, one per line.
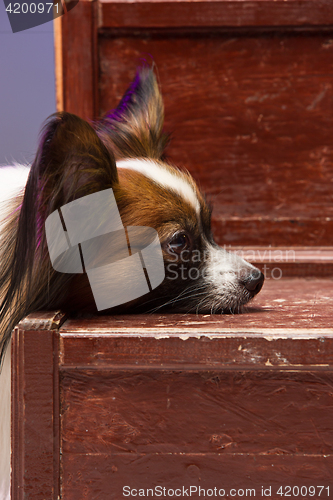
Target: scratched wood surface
column 251, row 117
column 248, row 102
column 220, row 471
column 35, row 408
column 232, row 401
column 212, row 401
column 288, row 261
column 287, row 303
column 289, row 324
column 227, row 13
column 178, row 400
column 76, row 61
column 226, row 429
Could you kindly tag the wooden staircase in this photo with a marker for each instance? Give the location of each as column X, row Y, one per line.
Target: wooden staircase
column 232, row 402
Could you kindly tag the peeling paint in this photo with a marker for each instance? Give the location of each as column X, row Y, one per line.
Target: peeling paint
column 268, row 334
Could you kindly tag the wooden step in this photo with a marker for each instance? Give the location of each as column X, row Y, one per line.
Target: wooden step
column 228, row 401
column 278, row 262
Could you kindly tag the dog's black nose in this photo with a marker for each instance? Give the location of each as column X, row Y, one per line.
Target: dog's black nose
column 253, row 283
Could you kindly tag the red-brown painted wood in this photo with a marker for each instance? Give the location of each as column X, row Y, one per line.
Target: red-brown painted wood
column 226, row 429
column 251, row 117
column 79, row 61
column 289, row 261
column 288, row 324
column 153, row 412
column 250, row 111
column 230, row 13
column 230, row 401
column 171, row 471
column 35, row 409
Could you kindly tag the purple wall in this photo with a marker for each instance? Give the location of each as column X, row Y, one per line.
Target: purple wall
column 27, row 88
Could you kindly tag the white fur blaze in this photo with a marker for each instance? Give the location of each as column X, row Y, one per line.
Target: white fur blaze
column 164, row 177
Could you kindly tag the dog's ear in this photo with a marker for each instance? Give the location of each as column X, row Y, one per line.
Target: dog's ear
column 135, row 127
column 71, row 162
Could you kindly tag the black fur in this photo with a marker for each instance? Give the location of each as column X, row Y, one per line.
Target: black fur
column 71, row 162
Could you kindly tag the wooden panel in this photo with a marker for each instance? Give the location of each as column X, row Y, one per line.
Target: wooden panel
column 295, row 261
column 251, row 117
column 272, row 229
column 152, row 14
column 211, row 401
column 35, row 410
column 288, row 325
column 166, row 348
column 232, row 349
column 166, row 422
column 177, row 400
column 235, row 412
column 236, row 474
column 76, row 61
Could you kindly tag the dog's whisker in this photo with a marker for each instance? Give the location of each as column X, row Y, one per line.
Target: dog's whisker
column 177, row 299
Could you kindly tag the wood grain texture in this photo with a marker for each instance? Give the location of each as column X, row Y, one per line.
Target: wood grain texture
column 213, row 401
column 286, row 303
column 42, row 320
column 289, row 326
column 58, row 63
column 231, row 401
column 178, row 400
column 238, row 350
column 35, row 415
column 231, row 13
column 215, row 412
column 171, row 471
column 172, row 428
column 292, row 261
column 251, row 117
column 78, row 86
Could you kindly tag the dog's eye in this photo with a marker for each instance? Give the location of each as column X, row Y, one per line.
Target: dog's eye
column 179, row 243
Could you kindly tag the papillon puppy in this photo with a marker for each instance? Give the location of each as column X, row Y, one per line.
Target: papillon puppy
column 125, row 152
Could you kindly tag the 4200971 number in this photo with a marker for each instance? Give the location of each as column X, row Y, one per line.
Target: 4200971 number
column 32, row 8
column 303, row 491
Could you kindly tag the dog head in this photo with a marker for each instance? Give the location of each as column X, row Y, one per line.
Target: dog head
column 200, row 276
column 123, row 152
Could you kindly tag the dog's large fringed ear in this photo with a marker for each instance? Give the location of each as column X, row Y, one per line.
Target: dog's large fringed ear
column 135, row 128
column 70, row 162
